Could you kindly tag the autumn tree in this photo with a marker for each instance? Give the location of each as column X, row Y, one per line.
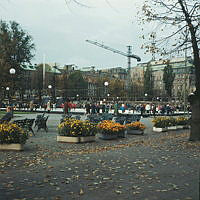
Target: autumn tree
column 116, row 88
column 168, row 79
column 16, row 49
column 179, row 21
column 76, row 84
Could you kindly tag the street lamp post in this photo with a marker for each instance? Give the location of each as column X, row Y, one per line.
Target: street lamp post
column 54, row 83
column 50, row 87
column 8, row 95
column 106, row 87
column 12, row 72
column 145, row 96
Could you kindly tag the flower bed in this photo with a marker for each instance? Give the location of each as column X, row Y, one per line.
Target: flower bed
column 110, row 130
column 161, row 124
column 135, row 128
column 12, row 137
column 182, row 121
column 76, row 131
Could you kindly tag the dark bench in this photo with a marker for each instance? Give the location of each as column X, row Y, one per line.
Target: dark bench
column 65, row 116
column 94, row 118
column 25, row 124
column 41, row 123
column 125, row 119
column 38, row 117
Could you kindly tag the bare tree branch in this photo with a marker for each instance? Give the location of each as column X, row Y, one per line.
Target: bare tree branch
column 77, row 2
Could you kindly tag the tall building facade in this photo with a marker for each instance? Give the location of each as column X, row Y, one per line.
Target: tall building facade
column 184, row 81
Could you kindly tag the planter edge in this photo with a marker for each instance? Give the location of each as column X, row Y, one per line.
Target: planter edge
column 16, row 147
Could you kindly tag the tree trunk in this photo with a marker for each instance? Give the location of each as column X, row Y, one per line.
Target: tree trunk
column 195, row 119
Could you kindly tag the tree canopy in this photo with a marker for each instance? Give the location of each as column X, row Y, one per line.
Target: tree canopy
column 168, row 79
column 180, row 22
column 16, row 49
column 177, row 26
column 76, row 84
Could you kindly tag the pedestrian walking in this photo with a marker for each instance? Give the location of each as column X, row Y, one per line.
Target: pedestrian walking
column 66, row 107
column 31, row 106
column 154, row 110
column 48, row 106
column 87, row 107
column 116, row 107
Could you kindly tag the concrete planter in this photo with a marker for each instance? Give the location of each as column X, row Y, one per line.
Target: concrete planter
column 135, row 132
column 172, row 128
column 179, row 126
column 186, row 126
column 105, row 136
column 122, row 134
column 75, row 139
column 15, row 147
column 155, row 129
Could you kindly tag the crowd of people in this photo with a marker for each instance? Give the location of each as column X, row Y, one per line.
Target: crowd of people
column 142, row 108
column 105, row 107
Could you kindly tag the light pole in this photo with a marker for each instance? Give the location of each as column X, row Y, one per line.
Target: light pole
column 108, row 95
column 12, row 72
column 50, row 87
column 145, row 96
column 7, row 89
column 77, row 96
column 106, row 87
column 54, row 83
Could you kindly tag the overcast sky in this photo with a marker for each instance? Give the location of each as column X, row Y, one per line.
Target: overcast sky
column 59, row 31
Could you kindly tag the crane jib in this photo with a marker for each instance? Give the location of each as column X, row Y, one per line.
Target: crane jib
column 129, row 55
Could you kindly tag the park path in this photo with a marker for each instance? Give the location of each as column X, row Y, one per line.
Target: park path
column 153, row 166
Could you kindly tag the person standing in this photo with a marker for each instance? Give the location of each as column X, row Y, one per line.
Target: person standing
column 154, row 110
column 8, row 116
column 98, row 108
column 107, row 108
column 116, row 112
column 66, row 107
column 87, row 107
column 103, row 108
column 142, row 109
column 31, row 106
column 93, row 108
column 48, row 106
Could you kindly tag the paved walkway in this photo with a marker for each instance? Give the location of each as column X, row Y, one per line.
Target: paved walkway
column 154, row 166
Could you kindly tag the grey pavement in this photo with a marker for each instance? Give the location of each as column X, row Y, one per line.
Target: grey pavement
column 163, row 166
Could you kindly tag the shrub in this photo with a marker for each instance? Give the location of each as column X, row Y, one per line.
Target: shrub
column 182, row 120
column 163, row 122
column 74, row 128
column 12, row 133
column 171, row 121
column 110, row 127
column 160, row 122
column 136, row 126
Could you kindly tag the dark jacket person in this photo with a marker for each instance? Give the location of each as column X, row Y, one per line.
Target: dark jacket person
column 8, row 116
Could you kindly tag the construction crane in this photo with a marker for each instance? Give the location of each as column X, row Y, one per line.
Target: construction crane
column 129, row 55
